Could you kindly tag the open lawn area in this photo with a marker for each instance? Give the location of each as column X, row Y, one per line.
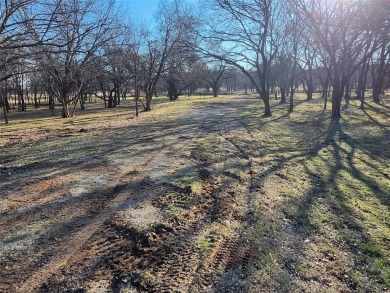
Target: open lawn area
column 199, row 195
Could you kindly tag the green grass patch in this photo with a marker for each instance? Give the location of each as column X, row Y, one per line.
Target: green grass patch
column 371, row 249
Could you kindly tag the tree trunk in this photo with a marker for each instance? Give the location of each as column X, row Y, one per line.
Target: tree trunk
column 364, row 85
column 310, row 85
column 362, row 98
column 310, row 90
column 4, row 111
column 51, row 104
column 325, row 102
column 118, row 96
column 5, row 99
column 148, row 106
column 291, row 106
column 377, row 89
column 325, row 91
column 337, row 95
column 6, row 104
column 105, row 98
column 22, row 102
column 325, row 87
column 24, row 106
column 136, row 106
column 267, row 108
column 65, row 103
column 36, row 96
column 114, row 101
column 283, row 95
column 136, row 89
column 75, row 105
column 172, row 91
column 82, row 102
column 360, row 82
column 347, row 95
column 292, row 90
column 215, row 91
column 380, row 74
column 21, row 95
column 111, row 100
column 65, row 110
column 292, row 80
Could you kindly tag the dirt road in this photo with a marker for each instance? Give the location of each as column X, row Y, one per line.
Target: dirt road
column 150, row 206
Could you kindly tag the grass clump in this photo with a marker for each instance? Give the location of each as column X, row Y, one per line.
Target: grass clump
column 209, row 239
column 193, row 183
column 371, row 249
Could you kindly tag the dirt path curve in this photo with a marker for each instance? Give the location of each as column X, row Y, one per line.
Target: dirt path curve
column 162, row 209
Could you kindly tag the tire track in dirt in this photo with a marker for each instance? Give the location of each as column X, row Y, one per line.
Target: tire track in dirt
column 171, row 260
column 45, row 254
column 133, row 249
column 74, row 240
column 231, row 252
column 177, row 261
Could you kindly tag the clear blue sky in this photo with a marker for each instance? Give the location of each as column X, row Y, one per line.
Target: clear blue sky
column 143, row 9
column 140, row 9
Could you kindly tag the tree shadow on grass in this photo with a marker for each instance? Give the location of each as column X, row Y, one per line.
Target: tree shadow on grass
column 383, row 127
column 329, row 204
column 327, row 224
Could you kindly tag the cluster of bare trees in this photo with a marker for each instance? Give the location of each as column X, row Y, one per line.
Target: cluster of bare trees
column 49, row 46
column 331, row 45
column 71, row 50
column 68, row 51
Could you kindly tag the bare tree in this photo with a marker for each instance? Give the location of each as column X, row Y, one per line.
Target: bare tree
column 83, row 27
column 133, row 66
column 308, row 61
column 288, row 56
column 340, row 29
column 381, row 64
column 18, row 19
column 114, row 74
column 180, row 74
column 244, row 34
column 215, row 74
column 174, row 31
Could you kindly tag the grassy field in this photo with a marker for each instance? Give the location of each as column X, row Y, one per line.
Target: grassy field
column 307, row 196
column 325, row 210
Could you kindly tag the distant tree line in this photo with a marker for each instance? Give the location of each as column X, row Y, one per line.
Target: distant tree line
column 72, row 51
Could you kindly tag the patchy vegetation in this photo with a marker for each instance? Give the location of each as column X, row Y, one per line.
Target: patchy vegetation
column 202, row 196
column 324, row 214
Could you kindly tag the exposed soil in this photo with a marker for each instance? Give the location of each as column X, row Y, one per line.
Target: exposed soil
column 121, row 217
